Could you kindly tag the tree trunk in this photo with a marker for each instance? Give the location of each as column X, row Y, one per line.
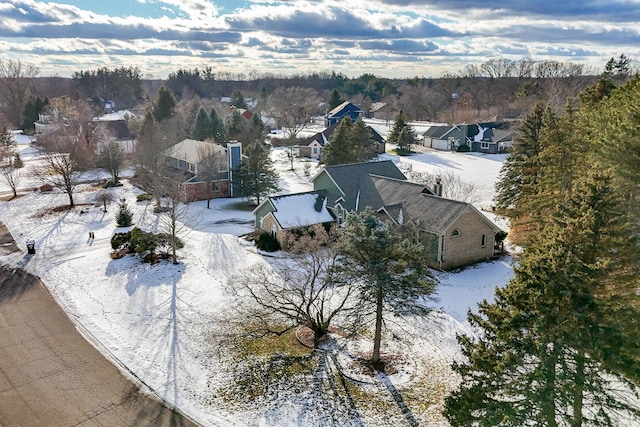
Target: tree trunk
column 70, row 194
column 578, row 390
column 377, row 338
column 548, row 397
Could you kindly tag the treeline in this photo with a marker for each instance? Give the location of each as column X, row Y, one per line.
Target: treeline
column 497, row 87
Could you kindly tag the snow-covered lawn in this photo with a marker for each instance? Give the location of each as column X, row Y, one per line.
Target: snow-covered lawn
column 156, row 321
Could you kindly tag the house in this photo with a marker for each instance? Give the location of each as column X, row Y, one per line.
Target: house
column 381, row 110
column 346, row 109
column 312, row 146
column 454, row 233
column 186, row 158
column 115, row 127
column 490, row 137
column 46, row 123
column 281, row 214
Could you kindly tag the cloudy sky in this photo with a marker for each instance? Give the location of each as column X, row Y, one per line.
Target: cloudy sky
column 390, row 38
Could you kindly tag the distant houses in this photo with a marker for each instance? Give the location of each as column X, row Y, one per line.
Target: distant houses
column 490, row 137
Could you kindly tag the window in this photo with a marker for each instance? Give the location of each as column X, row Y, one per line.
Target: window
column 315, row 150
column 215, row 186
column 455, row 233
column 484, row 240
column 484, row 145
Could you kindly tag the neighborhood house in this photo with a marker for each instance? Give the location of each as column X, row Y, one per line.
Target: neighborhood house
column 454, row 233
column 187, row 158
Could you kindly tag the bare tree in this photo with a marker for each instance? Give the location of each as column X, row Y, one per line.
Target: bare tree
column 61, row 171
column 293, row 107
column 104, row 197
column 170, row 210
column 451, row 185
column 11, row 173
column 300, row 291
column 15, row 81
column 112, row 159
column 212, row 162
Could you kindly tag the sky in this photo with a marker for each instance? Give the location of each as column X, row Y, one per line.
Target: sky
column 387, row 38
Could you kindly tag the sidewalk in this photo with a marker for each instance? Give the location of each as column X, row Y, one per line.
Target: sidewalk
column 50, row 375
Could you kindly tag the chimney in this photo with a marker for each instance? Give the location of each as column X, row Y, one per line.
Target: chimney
column 437, row 188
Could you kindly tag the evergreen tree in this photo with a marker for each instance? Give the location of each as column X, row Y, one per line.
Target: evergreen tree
column 124, row 215
column 520, row 173
column 388, row 267
column 351, row 142
column 217, row 127
column 237, row 99
column 402, row 134
column 202, row 126
column 234, row 125
column 255, row 177
column 165, row 105
column 339, row 150
column 364, row 146
column 32, row 109
column 545, row 349
column 335, row 99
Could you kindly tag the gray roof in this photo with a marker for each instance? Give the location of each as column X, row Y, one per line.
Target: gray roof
column 355, row 182
column 436, row 131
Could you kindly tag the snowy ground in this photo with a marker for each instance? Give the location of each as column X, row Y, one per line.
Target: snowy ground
column 155, row 321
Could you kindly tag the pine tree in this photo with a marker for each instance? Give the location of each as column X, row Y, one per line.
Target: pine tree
column 164, row 106
column 202, row 126
column 256, row 176
column 217, row 128
column 124, row 215
column 402, row 134
column 351, row 142
column 339, row 151
column 237, row 99
column 544, row 352
column 388, row 267
column 520, row 173
column 335, row 99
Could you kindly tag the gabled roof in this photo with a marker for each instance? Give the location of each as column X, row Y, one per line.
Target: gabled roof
column 189, row 150
column 324, row 136
column 346, row 105
column 436, row 131
column 301, row 209
column 407, row 201
column 355, row 183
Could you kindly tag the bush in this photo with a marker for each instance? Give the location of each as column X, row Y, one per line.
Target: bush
column 124, row 216
column 267, row 242
column 463, row 149
column 120, row 240
column 110, row 184
column 143, row 197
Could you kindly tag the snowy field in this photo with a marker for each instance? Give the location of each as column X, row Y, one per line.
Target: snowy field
column 155, row 321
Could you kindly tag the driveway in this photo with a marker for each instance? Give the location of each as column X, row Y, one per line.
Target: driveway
column 50, row 375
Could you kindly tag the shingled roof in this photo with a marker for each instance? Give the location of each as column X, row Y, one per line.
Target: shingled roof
column 355, row 182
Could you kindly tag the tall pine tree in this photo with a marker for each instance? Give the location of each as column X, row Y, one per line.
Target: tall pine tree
column 256, row 176
column 547, row 349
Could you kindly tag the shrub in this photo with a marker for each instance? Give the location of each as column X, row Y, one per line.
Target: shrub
column 120, row 240
column 110, row 184
column 463, row 149
column 267, row 242
column 143, row 197
column 124, row 216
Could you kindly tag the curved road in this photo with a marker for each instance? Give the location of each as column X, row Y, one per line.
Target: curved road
column 50, row 375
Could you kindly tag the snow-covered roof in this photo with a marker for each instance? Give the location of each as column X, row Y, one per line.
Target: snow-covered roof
column 115, row 116
column 301, row 210
column 190, row 150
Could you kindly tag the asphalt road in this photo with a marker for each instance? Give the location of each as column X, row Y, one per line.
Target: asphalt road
column 50, row 375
